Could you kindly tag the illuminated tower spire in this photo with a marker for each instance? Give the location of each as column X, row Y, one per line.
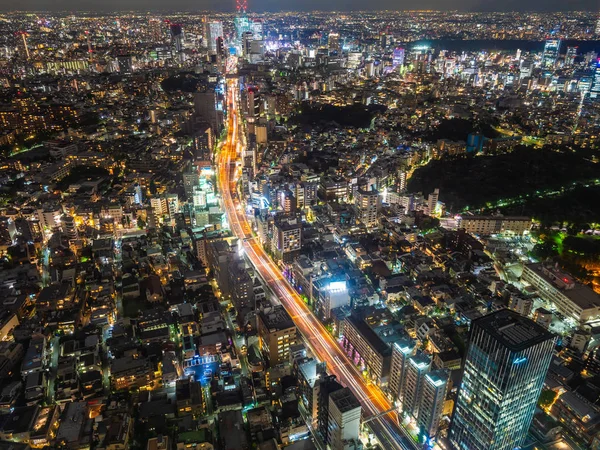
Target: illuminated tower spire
column 241, row 6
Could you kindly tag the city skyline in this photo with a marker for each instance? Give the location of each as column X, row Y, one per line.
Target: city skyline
column 260, row 6
column 299, row 231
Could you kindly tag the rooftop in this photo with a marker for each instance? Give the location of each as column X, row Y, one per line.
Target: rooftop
column 344, row 399
column 513, row 330
column 276, row 318
column 578, row 293
column 369, row 335
column 72, row 421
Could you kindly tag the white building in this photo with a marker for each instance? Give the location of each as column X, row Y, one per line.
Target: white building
column 401, row 351
column 573, row 300
column 344, row 419
column 367, row 205
column 215, row 31
column 431, row 406
column 416, row 368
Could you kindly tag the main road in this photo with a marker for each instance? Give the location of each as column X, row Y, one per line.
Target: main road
column 321, row 343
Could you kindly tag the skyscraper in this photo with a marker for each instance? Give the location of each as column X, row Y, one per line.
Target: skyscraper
column 571, row 55
column 333, row 43
column 504, row 370
column 398, row 57
column 205, row 108
column 177, row 36
column 242, row 25
column 257, row 29
column 595, row 90
column 215, row 31
column 551, row 52
column 156, row 35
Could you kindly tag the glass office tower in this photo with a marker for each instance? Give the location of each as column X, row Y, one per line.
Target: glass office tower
column 595, row 90
column 551, row 52
column 503, row 374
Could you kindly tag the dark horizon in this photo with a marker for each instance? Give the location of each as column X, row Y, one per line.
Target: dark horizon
column 259, row 6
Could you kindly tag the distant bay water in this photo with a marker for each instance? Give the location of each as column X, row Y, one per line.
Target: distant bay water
column 460, row 45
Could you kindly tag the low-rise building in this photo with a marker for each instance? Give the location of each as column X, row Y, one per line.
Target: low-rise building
column 573, row 300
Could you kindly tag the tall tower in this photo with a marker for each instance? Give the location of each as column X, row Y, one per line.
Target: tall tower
column 595, row 90
column 503, row 373
column 241, row 6
column 22, row 45
column 215, row 31
column 241, row 21
column 551, row 52
column 177, row 36
column 155, row 26
column 89, row 44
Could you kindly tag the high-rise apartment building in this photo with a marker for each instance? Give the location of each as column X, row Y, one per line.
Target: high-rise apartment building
column 367, row 204
column 431, row 405
column 504, row 371
column 432, row 201
column 401, row 351
column 416, row 369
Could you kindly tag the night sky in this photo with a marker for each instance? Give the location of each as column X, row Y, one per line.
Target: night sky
column 303, row 5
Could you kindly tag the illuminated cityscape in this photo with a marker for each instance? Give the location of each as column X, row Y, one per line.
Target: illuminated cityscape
column 299, row 230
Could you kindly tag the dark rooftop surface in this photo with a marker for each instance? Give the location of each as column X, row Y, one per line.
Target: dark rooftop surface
column 370, row 335
column 513, row 330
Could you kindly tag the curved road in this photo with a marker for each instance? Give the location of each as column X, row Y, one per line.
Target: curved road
column 322, row 344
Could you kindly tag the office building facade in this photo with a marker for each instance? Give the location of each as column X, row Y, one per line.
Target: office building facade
column 503, row 373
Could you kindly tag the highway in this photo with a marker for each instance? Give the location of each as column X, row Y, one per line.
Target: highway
column 320, row 342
